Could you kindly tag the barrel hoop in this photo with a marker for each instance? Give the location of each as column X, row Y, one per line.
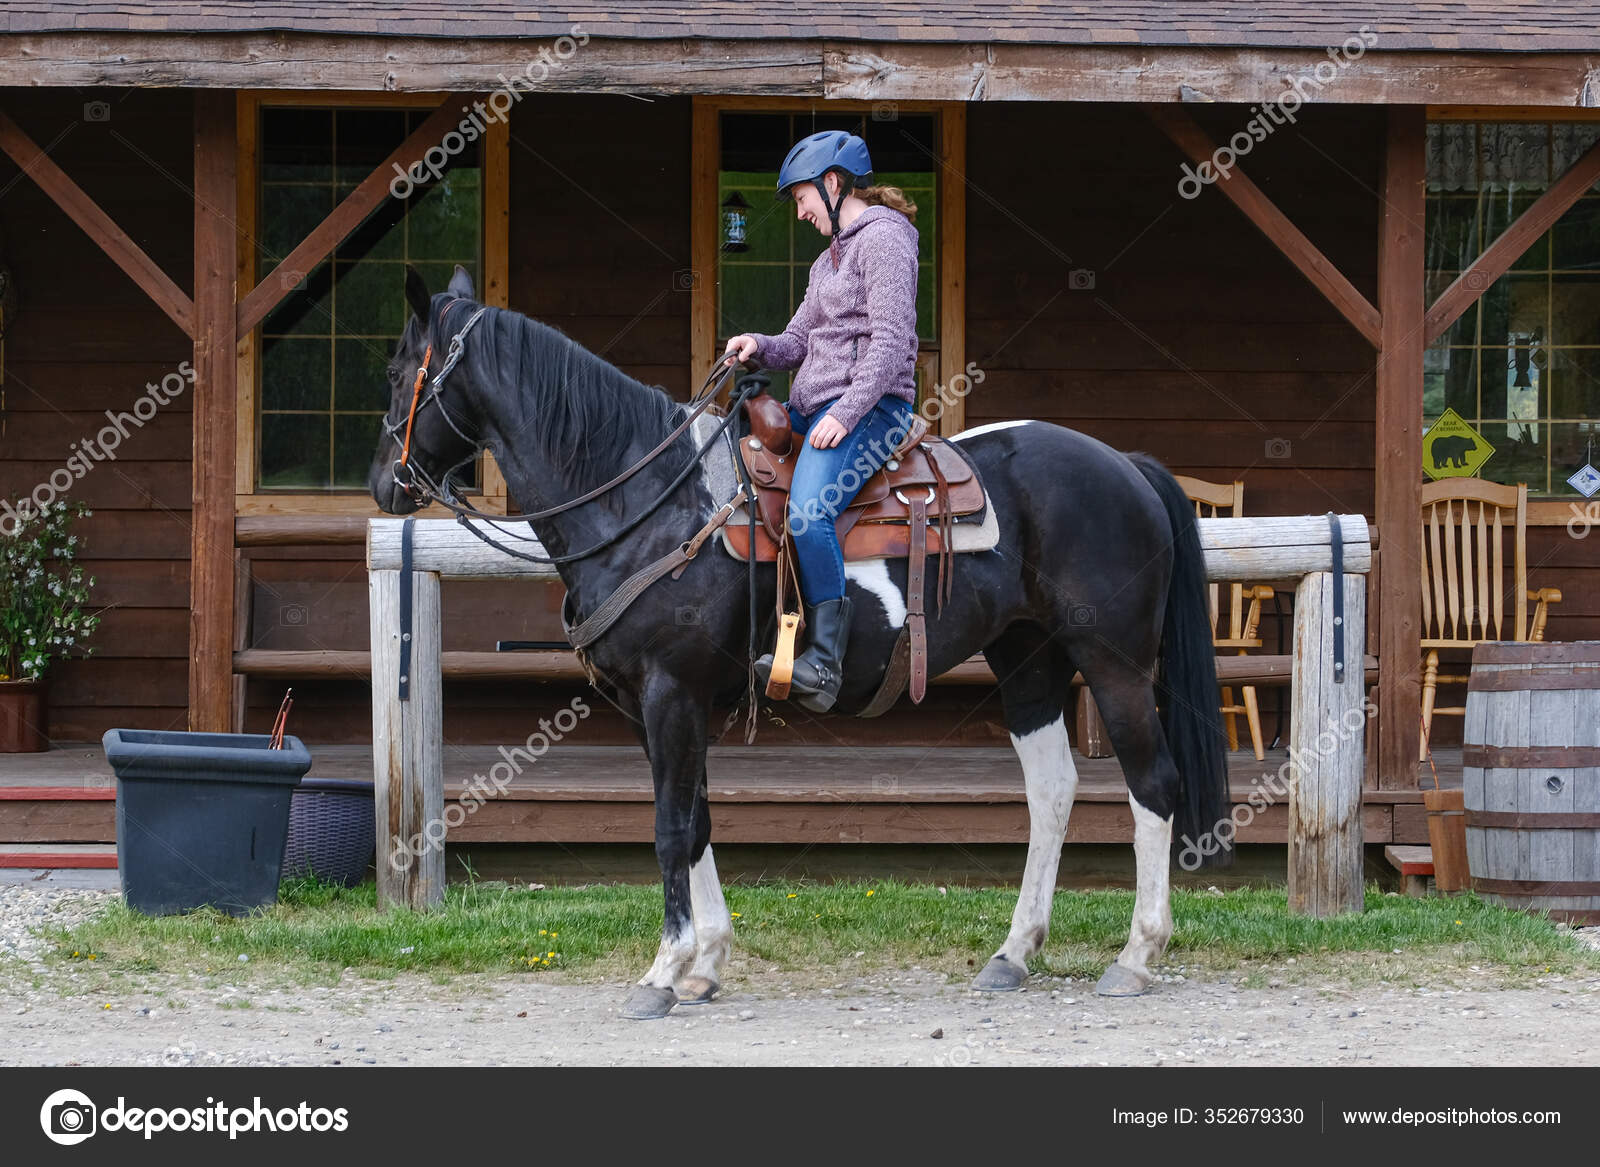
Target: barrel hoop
column 1513, row 820
column 1537, row 887
column 1509, row 682
column 1537, row 652
column 1530, row 757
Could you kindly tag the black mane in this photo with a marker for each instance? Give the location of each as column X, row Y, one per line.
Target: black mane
column 581, row 413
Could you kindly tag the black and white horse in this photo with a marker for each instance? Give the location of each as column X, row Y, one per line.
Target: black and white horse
column 1098, row 570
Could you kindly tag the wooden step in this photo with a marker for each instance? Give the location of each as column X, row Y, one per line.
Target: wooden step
column 57, row 856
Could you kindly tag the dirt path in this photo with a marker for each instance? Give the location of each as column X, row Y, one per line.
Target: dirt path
column 885, row 1019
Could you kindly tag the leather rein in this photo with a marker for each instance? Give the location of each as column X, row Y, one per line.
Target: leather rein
column 419, row 486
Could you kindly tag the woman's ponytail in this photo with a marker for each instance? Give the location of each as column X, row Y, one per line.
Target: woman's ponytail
column 888, row 196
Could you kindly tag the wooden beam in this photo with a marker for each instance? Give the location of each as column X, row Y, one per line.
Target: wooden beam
column 110, row 238
column 1284, row 235
column 407, row 745
column 705, row 151
column 346, row 217
column 862, row 70
column 953, row 267
column 1326, row 750
column 1523, row 233
column 1398, row 458
column 216, row 268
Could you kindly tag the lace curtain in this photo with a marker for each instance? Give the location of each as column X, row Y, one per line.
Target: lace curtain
column 1468, row 157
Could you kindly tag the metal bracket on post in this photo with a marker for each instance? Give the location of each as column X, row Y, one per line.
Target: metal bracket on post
column 1337, row 533
column 405, row 609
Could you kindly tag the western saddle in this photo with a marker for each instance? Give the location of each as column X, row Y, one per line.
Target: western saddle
column 925, row 481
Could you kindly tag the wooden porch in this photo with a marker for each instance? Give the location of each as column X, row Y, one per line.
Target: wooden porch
column 601, row 794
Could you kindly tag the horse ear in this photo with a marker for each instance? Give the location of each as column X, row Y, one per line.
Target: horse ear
column 417, row 296
column 461, row 284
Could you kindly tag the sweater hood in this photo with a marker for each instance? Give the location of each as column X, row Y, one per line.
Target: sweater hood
column 881, row 214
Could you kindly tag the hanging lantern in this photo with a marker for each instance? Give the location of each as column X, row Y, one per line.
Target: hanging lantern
column 735, row 221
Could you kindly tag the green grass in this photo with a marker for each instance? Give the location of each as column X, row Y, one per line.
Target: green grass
column 605, row 932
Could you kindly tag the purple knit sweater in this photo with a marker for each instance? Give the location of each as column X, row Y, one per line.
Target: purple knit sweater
column 856, row 330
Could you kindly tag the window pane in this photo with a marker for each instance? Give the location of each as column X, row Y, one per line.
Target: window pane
column 294, row 450
column 1575, row 383
column 1572, row 444
column 355, row 439
column 361, row 373
column 296, row 373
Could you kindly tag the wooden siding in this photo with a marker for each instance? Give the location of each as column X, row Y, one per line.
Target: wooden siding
column 85, row 339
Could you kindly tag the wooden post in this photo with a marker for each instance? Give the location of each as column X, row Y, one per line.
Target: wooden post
column 1326, row 744
column 211, row 584
column 1398, row 462
column 407, row 750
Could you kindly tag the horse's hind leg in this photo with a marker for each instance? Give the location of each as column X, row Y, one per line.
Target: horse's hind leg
column 1035, row 681
column 1128, row 708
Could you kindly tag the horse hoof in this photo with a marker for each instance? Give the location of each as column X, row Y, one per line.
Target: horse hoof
column 1121, row 981
column 697, row 991
column 648, row 1003
column 1000, row 976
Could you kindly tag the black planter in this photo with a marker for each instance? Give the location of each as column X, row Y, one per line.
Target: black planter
column 201, row 817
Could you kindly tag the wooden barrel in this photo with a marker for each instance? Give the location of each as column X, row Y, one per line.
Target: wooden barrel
column 1531, row 777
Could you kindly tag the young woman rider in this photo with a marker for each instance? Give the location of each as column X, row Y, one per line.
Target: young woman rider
column 854, row 340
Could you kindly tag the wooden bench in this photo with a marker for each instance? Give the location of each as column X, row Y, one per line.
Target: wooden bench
column 1415, row 865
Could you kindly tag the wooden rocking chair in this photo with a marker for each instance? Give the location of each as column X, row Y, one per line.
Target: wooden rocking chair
column 1464, row 582
column 1216, row 500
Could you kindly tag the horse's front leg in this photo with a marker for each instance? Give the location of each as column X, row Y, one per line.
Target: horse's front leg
column 675, row 732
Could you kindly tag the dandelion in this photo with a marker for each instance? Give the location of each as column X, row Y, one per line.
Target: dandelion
column 872, row 891
column 550, row 953
column 1458, row 921
column 736, row 915
column 794, row 895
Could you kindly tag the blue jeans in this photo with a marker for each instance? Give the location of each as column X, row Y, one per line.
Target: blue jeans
column 825, row 481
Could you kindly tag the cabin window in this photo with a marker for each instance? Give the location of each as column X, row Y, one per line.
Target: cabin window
column 321, row 388
column 1522, row 365
column 761, row 282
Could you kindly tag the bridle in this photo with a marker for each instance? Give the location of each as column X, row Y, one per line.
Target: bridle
column 408, row 483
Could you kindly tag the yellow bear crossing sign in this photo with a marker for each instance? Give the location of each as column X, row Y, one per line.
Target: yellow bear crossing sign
column 1453, row 449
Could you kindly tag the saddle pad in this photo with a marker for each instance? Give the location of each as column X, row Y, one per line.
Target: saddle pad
column 866, row 541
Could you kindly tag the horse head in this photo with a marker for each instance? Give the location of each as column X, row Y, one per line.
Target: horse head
column 425, row 432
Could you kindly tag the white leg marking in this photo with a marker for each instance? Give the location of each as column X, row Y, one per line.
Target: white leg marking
column 873, row 576
column 1152, row 907
column 713, row 928
column 672, row 958
column 1052, row 782
column 988, row 429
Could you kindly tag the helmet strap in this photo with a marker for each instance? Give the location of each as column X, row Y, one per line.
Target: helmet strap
column 833, row 207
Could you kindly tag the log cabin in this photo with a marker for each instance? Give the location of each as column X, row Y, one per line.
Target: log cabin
column 1268, row 244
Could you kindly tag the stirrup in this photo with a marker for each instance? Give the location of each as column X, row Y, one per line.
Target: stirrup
column 783, row 657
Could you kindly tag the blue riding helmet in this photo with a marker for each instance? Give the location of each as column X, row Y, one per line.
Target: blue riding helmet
column 814, row 156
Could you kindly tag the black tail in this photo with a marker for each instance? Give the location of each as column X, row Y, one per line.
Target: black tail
column 1188, row 691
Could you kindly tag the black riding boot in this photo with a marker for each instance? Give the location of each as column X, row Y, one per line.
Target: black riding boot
column 819, row 669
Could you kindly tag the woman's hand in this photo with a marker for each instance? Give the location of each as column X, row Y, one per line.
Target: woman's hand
column 827, row 432
column 740, row 349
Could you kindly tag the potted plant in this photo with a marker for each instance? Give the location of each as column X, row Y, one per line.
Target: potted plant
column 44, row 617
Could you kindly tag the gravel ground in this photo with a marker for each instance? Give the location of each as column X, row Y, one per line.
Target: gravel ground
column 894, row 1017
